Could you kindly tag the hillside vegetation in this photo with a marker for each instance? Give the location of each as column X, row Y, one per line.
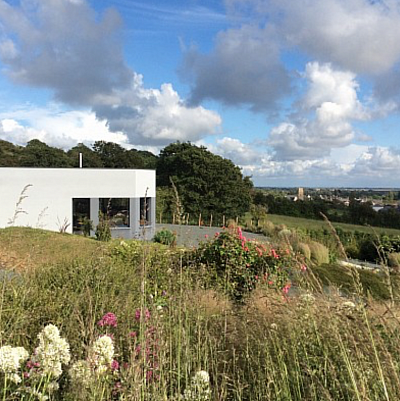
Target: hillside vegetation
column 232, row 319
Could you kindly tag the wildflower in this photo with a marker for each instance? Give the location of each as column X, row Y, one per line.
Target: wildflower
column 10, row 361
column 303, row 268
column 206, row 236
column 52, row 352
column 114, row 365
column 286, row 288
column 274, row 254
column 80, row 373
column 102, row 353
column 274, row 326
column 109, row 319
column 133, row 334
column 199, row 388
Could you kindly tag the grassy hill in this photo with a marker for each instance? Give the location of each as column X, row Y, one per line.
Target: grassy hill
column 25, row 248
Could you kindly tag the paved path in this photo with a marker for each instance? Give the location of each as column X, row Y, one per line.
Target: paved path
column 191, row 235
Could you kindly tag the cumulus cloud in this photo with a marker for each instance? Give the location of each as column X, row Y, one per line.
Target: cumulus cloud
column 156, row 117
column 378, row 162
column 57, row 128
column 360, row 35
column 243, row 69
column 332, row 100
column 63, row 45
column 240, row 153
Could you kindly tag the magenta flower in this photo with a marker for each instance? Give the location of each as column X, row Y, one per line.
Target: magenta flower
column 109, row 319
column 114, row 365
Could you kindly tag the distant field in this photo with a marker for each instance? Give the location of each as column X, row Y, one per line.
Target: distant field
column 298, row 222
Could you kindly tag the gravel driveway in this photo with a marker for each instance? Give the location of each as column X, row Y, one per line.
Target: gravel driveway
column 191, row 235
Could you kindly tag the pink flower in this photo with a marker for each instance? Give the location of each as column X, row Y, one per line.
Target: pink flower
column 133, row 334
column 216, row 234
column 303, row 268
column 274, row 254
column 109, row 319
column 286, row 288
column 114, row 365
column 205, row 236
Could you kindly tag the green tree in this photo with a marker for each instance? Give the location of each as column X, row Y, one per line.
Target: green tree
column 38, row 154
column 90, row 158
column 10, row 154
column 207, row 183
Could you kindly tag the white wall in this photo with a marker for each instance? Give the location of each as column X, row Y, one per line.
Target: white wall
column 49, row 198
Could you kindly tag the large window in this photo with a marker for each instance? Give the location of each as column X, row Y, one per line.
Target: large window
column 145, row 214
column 117, row 211
column 80, row 215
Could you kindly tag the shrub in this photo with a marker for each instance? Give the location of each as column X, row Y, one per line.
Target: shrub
column 165, row 237
column 238, row 263
column 394, row 259
column 103, row 230
column 319, row 253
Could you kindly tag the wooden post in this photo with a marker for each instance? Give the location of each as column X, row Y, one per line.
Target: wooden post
column 251, row 223
column 211, row 220
column 187, row 218
column 160, row 217
column 223, row 221
column 200, row 220
column 237, row 220
column 173, row 218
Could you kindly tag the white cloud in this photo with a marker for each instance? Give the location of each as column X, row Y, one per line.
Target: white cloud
column 332, row 100
column 55, row 127
column 66, row 47
column 360, row 35
column 378, row 163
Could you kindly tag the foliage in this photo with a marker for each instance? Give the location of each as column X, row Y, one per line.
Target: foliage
column 87, row 226
column 89, row 157
column 239, row 264
column 165, row 237
column 38, row 154
column 207, row 183
column 103, row 229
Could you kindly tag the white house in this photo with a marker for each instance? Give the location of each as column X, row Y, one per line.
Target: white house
column 56, row 199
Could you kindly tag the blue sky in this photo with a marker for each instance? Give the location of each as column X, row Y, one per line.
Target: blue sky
column 303, row 93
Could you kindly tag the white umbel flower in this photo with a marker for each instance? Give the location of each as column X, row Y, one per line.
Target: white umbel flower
column 102, row 353
column 52, row 352
column 80, row 373
column 199, row 388
column 10, row 361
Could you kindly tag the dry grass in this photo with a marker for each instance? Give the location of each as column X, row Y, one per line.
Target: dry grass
column 24, row 248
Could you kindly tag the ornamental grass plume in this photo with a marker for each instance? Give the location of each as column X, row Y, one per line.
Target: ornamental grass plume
column 11, row 359
column 52, row 352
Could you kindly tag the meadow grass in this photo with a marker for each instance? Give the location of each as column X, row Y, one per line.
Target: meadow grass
column 309, row 224
column 173, row 323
